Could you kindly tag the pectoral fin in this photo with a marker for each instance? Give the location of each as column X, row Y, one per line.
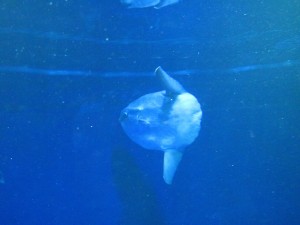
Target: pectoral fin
column 171, row 161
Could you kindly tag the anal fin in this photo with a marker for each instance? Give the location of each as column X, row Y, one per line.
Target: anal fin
column 171, row 161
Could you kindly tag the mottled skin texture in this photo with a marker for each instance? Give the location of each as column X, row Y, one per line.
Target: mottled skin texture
column 157, row 122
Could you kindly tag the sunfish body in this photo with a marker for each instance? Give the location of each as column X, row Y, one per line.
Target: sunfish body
column 148, row 3
column 167, row 120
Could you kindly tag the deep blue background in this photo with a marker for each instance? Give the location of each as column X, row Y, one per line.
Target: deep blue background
column 69, row 67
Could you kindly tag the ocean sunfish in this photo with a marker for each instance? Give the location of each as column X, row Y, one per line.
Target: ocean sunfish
column 167, row 120
column 148, row 3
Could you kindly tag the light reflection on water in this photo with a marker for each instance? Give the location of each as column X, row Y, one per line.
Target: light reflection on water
column 66, row 72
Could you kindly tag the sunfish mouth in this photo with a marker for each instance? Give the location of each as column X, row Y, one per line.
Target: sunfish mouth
column 123, row 116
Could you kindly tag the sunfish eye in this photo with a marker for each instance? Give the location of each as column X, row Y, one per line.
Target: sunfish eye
column 123, row 116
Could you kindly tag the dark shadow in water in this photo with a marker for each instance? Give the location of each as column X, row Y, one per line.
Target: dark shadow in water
column 139, row 203
column 2, row 181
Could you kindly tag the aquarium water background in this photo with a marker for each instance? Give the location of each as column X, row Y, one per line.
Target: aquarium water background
column 67, row 69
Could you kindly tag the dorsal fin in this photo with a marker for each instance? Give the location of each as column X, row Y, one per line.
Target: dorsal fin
column 172, row 86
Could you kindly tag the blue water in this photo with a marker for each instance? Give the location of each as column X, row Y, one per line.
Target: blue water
column 67, row 68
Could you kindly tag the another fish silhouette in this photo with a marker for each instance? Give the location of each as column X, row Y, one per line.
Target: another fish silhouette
column 168, row 120
column 148, row 3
